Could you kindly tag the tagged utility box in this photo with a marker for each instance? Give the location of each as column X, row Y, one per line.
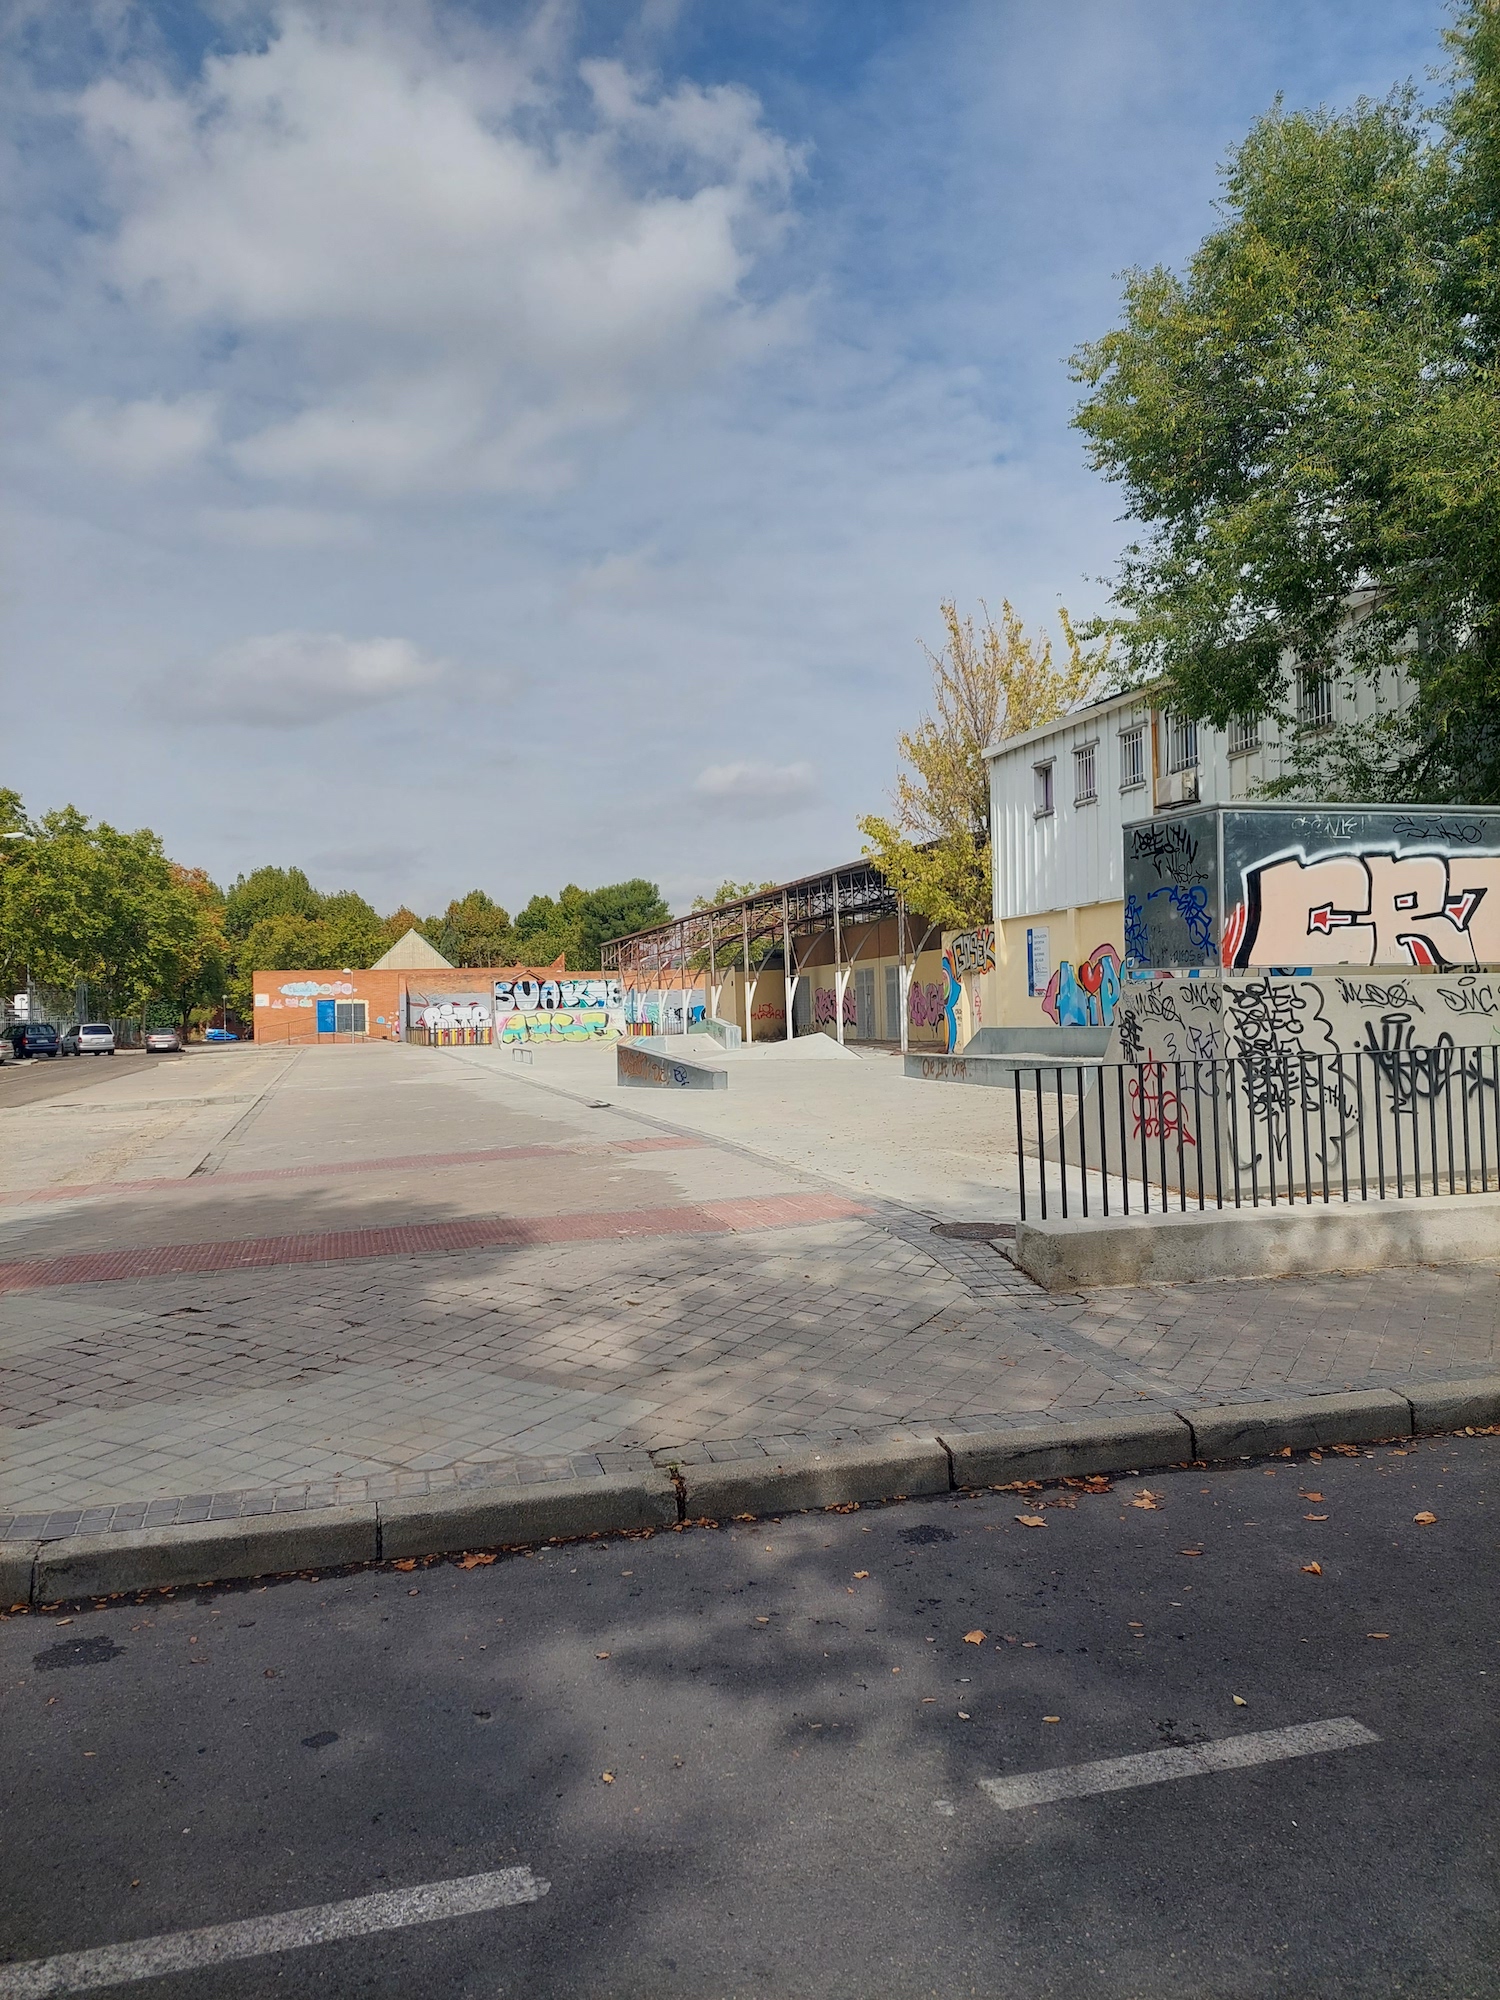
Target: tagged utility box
column 1300, row 887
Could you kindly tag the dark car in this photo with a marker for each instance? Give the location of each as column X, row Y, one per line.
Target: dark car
column 33, row 1038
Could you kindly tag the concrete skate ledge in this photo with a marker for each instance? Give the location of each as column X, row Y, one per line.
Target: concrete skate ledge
column 1281, row 1242
column 999, row 1071
column 638, row 1065
column 78, row 1567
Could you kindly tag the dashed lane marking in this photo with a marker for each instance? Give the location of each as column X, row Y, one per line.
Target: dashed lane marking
column 1195, row 1760
column 258, row 1937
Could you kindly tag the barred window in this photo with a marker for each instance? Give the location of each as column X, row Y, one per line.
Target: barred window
column 1085, row 790
column 1244, row 734
column 1314, row 699
column 1132, row 758
column 1182, row 743
column 1042, row 775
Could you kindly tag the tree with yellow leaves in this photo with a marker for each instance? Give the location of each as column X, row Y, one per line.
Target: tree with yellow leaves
column 988, row 682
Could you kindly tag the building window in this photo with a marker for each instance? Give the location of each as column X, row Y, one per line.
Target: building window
column 1182, row 743
column 1244, row 734
column 1042, row 777
column 349, row 1017
column 1314, row 699
column 1085, row 791
column 1132, row 758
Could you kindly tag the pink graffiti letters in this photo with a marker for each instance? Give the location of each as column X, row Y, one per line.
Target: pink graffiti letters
column 825, row 1011
column 1428, row 911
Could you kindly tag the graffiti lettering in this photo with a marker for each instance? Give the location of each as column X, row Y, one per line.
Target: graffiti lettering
column 1171, row 850
column 1469, row 997
column 1137, row 938
column 1425, row 910
column 926, row 1006
column 825, row 1010
column 974, row 951
column 530, row 995
column 1085, row 996
column 1157, row 1112
column 1191, row 905
column 1365, row 993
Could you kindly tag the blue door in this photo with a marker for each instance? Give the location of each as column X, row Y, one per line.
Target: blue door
column 327, row 1019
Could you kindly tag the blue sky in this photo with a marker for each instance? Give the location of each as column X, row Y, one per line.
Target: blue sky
column 500, row 445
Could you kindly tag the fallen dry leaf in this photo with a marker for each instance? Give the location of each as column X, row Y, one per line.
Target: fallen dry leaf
column 975, row 1638
column 1346, row 1450
column 406, row 1562
column 1147, row 1500
column 1311, row 1496
column 601, row 1656
column 1239, row 1701
column 1190, row 1552
column 762, row 1621
column 607, row 1777
column 1052, row 1718
column 1312, row 1569
column 475, row 1561
column 860, row 1573
column 1031, row 1520
column 1425, row 1519
column 963, row 1715
column 1377, row 1635
column 1315, row 1517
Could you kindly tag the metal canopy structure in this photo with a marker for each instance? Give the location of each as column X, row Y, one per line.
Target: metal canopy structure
column 766, row 928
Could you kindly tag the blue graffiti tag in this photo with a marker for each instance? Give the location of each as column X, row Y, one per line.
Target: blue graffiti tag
column 1137, row 944
column 1191, row 905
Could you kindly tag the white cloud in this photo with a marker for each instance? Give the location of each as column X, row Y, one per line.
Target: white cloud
column 290, row 680
column 279, row 527
column 141, row 440
column 757, row 791
column 452, row 280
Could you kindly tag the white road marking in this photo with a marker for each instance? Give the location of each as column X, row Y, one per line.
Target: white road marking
column 1153, row 1767
column 255, row 1937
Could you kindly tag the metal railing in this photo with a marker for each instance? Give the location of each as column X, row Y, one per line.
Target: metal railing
column 1151, row 1137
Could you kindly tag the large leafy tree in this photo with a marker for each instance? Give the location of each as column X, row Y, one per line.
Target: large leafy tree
column 81, row 900
column 1306, row 424
column 987, row 682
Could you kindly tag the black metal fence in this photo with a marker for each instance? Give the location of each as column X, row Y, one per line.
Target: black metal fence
column 1151, row 1137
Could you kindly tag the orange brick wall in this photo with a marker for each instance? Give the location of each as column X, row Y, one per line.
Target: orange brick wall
column 283, row 1017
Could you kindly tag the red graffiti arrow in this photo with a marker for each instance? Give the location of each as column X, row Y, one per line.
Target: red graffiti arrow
column 1326, row 918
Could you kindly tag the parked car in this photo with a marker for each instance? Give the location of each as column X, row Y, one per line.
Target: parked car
column 219, row 1035
column 33, row 1038
column 89, row 1038
column 163, row 1042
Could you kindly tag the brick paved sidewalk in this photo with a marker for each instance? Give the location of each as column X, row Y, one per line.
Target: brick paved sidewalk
column 559, row 1345
column 174, row 1399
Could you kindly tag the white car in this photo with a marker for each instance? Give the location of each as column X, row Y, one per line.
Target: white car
column 89, row 1038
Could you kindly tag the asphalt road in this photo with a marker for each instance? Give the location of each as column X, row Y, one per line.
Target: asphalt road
column 796, row 1730
column 51, row 1076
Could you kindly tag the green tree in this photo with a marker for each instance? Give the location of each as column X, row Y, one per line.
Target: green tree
column 986, row 683
column 613, row 912
column 1307, row 426
column 84, row 901
column 268, row 892
column 474, row 930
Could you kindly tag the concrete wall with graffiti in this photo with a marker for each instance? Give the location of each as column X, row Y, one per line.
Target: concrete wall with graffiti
column 1304, row 1075
column 1297, row 888
column 1059, row 968
column 558, row 1010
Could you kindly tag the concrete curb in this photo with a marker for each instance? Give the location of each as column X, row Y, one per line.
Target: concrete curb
column 491, row 1517
column 83, row 1566
column 1281, row 1242
column 1063, row 1451
column 815, row 1479
column 1246, row 1430
column 217, row 1551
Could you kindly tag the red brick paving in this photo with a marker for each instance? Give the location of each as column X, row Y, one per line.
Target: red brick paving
column 491, row 1232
